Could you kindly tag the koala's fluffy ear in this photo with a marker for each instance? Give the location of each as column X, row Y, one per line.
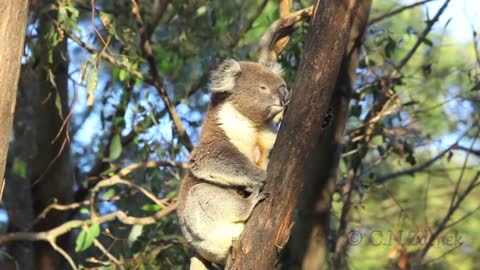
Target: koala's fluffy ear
column 275, row 67
column 223, row 78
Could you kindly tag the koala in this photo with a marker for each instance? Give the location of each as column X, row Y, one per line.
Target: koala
column 228, row 167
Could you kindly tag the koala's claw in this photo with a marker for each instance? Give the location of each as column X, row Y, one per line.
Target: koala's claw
column 261, row 184
column 262, row 196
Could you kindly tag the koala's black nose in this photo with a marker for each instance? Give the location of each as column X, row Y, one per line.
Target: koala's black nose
column 284, row 95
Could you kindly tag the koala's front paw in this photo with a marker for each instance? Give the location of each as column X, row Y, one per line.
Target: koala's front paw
column 261, row 176
column 262, row 196
column 255, row 188
column 257, row 193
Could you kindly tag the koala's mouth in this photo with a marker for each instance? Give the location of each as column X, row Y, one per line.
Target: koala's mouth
column 276, row 109
column 284, row 96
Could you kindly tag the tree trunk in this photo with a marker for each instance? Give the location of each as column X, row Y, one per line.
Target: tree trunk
column 268, row 230
column 13, row 24
column 18, row 196
column 309, row 246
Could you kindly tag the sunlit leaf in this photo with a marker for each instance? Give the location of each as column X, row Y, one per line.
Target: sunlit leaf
column 86, row 237
column 122, row 75
column 92, row 81
column 135, row 232
column 151, row 207
column 108, row 194
column 115, row 148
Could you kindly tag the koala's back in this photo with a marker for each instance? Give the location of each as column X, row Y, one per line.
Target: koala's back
column 208, row 225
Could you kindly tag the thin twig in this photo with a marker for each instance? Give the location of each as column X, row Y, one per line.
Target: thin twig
column 157, row 81
column 383, row 178
column 396, row 11
column 107, row 57
column 464, row 217
column 73, row 224
column 107, row 253
column 420, row 40
column 159, row 8
column 470, row 150
column 443, row 223
column 462, row 172
column 248, row 25
column 63, row 253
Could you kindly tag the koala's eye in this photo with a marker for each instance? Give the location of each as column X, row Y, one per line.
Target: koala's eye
column 263, row 88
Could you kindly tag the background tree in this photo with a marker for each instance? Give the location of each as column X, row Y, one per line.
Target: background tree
column 43, row 172
column 113, row 93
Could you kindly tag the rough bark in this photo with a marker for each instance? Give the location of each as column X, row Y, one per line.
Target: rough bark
column 13, row 22
column 309, row 244
column 268, row 230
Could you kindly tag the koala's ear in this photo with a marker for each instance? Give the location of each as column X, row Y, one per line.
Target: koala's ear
column 275, row 67
column 222, row 79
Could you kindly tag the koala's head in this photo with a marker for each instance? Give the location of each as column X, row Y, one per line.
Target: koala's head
column 255, row 90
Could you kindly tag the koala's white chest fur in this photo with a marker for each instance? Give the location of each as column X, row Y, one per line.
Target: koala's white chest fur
column 255, row 144
column 239, row 129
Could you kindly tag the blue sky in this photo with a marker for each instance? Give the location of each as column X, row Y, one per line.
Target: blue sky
column 464, row 15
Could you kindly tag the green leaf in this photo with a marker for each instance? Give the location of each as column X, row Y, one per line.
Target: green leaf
column 390, row 47
column 356, row 110
column 428, row 42
column 84, row 211
column 135, row 232
column 20, row 168
column 85, row 238
column 67, row 16
column 108, row 194
column 122, row 75
column 151, row 207
column 115, row 149
column 58, row 104
column 51, row 77
column 411, row 159
column 106, row 19
column 79, row 243
column 92, row 81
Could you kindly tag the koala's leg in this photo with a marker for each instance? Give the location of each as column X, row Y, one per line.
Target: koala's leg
column 215, row 217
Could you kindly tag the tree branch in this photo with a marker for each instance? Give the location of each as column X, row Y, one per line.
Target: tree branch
column 443, row 223
column 52, row 235
column 267, row 49
column 396, row 11
column 105, row 56
column 382, row 179
column 157, row 81
column 248, row 25
column 420, row 39
column 159, row 7
column 468, row 149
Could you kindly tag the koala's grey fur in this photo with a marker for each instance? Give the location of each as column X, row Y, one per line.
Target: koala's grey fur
column 227, row 171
